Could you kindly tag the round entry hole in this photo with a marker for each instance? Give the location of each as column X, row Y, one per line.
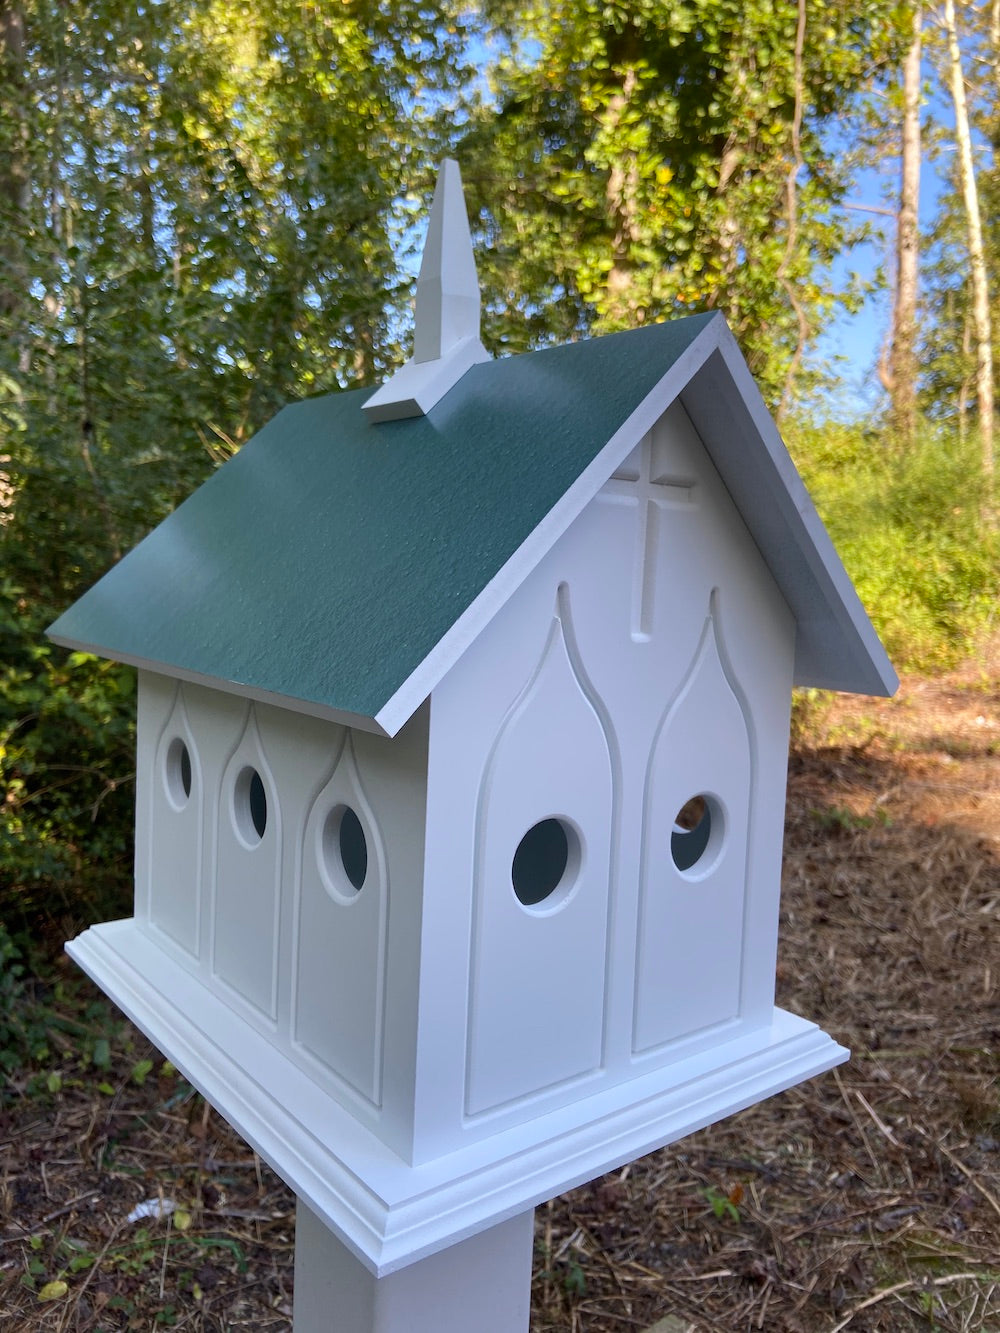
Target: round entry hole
column 345, row 848
column 251, row 806
column 695, row 823
column 546, row 860
column 178, row 772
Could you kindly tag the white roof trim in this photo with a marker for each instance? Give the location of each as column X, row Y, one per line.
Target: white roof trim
column 507, row 580
column 836, row 648
column 418, row 385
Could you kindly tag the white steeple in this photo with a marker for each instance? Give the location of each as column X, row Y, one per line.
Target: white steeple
column 446, row 314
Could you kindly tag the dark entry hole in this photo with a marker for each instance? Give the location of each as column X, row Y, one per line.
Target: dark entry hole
column 258, row 804
column 178, row 772
column 691, row 833
column 540, row 861
column 353, row 848
column 251, row 805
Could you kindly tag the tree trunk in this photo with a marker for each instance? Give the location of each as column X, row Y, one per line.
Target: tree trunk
column 14, row 179
column 977, row 258
column 903, row 352
column 728, row 237
column 792, row 219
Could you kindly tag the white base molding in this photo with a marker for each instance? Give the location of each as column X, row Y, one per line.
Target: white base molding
column 390, row 1214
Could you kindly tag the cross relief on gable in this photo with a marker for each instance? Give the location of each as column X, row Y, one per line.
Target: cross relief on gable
column 647, row 481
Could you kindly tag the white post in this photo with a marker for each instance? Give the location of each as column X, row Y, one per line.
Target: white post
column 482, row 1283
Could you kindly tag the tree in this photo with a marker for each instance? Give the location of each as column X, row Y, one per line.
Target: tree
column 982, row 323
column 792, row 213
column 636, row 163
column 13, row 161
column 199, row 204
column 900, row 375
column 199, row 222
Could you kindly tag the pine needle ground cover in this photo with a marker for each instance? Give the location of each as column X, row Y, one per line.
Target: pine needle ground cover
column 867, row 1200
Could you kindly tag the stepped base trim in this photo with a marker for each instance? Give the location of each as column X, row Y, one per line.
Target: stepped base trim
column 388, row 1213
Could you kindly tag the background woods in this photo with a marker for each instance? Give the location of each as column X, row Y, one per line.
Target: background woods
column 199, row 212
column 210, row 207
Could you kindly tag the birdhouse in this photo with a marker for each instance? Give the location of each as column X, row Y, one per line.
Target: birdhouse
column 462, row 739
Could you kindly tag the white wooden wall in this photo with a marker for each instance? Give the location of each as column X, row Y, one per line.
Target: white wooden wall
column 266, row 912
column 646, row 661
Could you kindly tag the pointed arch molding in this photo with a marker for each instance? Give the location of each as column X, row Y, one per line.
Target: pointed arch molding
column 176, row 841
column 245, row 935
column 689, row 949
column 341, row 934
column 538, row 976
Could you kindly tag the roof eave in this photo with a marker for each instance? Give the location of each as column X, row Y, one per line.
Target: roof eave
column 308, row 707
column 509, row 578
column 837, row 647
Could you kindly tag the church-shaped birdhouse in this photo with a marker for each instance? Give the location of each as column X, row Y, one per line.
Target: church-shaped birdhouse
column 462, row 739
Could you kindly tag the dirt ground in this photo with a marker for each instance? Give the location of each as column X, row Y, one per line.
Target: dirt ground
column 868, row 1199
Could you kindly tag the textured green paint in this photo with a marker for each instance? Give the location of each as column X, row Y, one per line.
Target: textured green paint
column 326, row 560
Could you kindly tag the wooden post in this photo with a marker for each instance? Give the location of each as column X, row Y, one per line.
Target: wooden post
column 482, row 1283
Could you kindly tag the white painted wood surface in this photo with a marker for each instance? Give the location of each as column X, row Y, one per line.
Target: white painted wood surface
column 557, row 1004
column 691, row 921
column 247, row 880
column 390, row 1213
column 647, row 660
column 446, row 312
column 537, row 973
column 174, row 840
column 272, row 925
column 338, row 978
column 481, row 1284
column 441, row 963
column 426, row 1055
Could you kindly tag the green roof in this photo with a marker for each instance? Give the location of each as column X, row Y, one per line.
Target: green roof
column 329, row 563
column 330, row 555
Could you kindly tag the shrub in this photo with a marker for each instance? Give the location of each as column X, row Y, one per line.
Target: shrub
column 907, row 525
column 66, row 771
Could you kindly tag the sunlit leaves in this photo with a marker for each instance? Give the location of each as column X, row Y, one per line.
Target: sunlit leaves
column 199, row 220
column 651, row 145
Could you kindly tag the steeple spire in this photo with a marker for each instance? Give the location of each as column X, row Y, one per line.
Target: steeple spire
column 446, row 314
column 447, row 305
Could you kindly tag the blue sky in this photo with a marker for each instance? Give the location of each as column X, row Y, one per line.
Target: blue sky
column 858, row 339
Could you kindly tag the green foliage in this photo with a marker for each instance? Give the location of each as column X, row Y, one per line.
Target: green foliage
column 948, row 349
column 907, row 526
column 722, row 1205
column 19, row 1030
column 575, row 1280
column 841, row 819
column 632, row 163
column 66, row 770
column 53, row 1032
column 141, row 1071
column 200, row 207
